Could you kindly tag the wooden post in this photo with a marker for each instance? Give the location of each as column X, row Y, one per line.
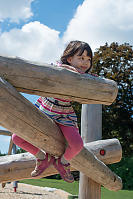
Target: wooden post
column 91, row 130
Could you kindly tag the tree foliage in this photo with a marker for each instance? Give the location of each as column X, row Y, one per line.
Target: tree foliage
column 116, row 62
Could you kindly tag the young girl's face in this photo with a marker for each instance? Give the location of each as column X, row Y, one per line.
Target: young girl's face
column 80, row 63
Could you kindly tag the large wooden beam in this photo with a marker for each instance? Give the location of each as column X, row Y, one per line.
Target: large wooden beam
column 19, row 166
column 28, row 122
column 24, row 119
column 48, row 80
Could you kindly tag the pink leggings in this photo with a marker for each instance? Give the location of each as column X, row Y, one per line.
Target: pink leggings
column 71, row 134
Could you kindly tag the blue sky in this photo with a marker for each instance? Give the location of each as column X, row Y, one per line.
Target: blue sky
column 38, row 30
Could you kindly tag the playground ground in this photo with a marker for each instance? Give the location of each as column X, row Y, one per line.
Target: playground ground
column 25, row 191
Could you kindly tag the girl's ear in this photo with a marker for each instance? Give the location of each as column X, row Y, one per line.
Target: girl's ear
column 69, row 59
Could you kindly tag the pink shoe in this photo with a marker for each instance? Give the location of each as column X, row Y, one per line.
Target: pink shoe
column 41, row 165
column 64, row 170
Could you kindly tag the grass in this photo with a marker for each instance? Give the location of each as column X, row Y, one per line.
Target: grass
column 73, row 188
column 59, row 184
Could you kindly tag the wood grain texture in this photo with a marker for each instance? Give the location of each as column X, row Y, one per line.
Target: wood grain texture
column 24, row 119
column 112, row 148
column 19, row 167
column 48, row 80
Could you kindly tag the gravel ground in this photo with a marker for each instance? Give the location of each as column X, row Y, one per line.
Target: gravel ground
column 25, row 191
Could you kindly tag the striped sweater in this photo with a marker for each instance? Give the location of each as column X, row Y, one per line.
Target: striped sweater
column 59, row 110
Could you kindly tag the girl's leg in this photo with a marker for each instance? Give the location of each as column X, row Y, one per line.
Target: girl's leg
column 75, row 144
column 24, row 144
column 43, row 160
column 74, row 140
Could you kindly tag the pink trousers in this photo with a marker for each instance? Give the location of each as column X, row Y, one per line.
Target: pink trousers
column 71, row 134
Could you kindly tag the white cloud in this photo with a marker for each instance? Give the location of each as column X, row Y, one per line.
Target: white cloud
column 100, row 21
column 34, row 42
column 15, row 10
column 95, row 22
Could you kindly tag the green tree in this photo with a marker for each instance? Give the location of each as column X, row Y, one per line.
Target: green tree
column 116, row 62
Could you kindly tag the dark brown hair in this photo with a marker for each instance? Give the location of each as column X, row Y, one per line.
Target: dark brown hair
column 72, row 48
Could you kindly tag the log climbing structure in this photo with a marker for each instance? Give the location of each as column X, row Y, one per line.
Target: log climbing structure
column 20, row 116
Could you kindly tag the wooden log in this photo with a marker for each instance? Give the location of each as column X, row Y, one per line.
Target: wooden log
column 96, row 170
column 24, row 119
column 19, row 166
column 4, row 132
column 48, row 80
column 108, row 151
column 28, row 122
column 91, row 130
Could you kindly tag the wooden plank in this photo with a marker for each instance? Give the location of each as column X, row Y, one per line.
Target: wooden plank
column 48, row 80
column 24, row 119
column 91, row 130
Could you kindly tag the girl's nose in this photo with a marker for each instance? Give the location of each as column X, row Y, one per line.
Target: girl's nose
column 86, row 62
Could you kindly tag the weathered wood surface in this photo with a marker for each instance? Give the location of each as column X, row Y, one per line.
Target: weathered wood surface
column 112, row 148
column 19, row 166
column 4, row 132
column 91, row 130
column 29, row 123
column 48, row 80
column 24, row 119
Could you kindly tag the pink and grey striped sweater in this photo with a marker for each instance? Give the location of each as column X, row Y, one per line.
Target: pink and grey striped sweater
column 59, row 110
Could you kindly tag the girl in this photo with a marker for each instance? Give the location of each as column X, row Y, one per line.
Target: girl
column 76, row 57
